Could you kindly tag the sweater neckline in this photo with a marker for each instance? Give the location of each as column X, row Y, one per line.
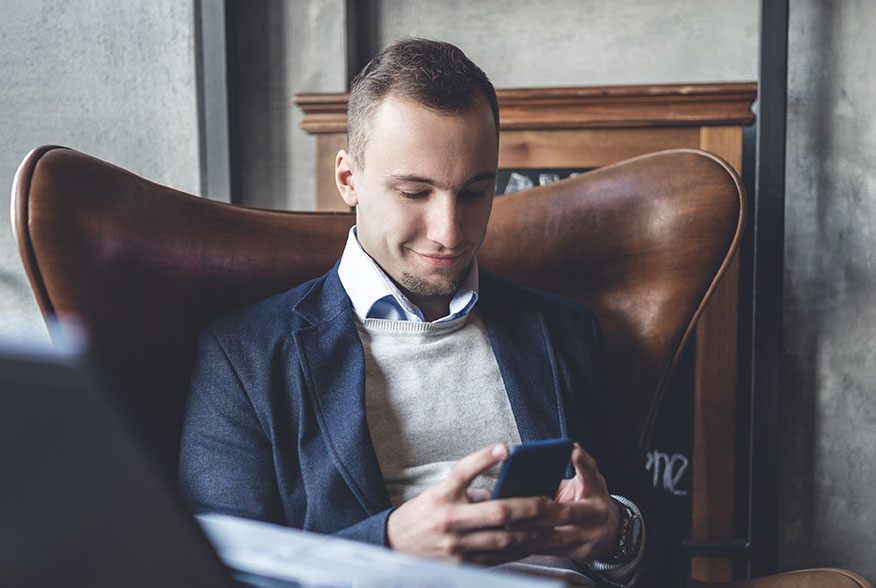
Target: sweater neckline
column 385, row 326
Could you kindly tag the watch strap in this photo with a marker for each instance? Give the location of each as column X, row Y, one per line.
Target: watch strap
column 631, row 544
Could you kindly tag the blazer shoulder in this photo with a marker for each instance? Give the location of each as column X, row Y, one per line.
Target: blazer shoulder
column 265, row 319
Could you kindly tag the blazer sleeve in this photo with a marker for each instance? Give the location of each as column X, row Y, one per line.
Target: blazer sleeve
column 226, row 455
column 226, row 462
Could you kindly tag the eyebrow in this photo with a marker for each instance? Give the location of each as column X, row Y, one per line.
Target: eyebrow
column 415, row 179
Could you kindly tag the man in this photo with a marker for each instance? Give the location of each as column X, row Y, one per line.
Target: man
column 376, row 401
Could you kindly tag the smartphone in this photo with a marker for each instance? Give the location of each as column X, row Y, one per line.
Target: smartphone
column 534, row 469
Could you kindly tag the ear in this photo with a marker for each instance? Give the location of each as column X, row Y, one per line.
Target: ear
column 344, row 178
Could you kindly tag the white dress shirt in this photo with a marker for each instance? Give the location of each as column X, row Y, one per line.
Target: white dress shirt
column 375, row 295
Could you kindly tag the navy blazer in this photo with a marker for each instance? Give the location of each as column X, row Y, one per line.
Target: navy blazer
column 275, row 425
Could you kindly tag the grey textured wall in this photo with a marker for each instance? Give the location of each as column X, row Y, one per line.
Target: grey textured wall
column 828, row 418
column 113, row 79
column 587, row 42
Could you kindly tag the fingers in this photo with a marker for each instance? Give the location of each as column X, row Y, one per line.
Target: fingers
column 572, row 541
column 586, row 529
column 450, row 520
column 585, row 513
column 501, row 540
column 470, row 467
column 518, row 513
column 495, row 546
column 478, row 494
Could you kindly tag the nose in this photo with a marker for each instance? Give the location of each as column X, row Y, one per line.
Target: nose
column 445, row 222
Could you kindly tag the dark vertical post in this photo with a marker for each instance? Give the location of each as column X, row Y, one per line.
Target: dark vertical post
column 766, row 328
column 742, row 490
column 362, row 34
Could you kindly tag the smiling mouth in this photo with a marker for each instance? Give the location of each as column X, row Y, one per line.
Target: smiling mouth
column 439, row 260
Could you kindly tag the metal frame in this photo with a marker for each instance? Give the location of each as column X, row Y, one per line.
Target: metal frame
column 768, row 216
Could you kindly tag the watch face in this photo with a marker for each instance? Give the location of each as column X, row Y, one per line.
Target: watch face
column 629, row 536
column 634, row 536
column 623, row 536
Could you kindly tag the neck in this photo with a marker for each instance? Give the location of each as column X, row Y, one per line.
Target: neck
column 432, row 307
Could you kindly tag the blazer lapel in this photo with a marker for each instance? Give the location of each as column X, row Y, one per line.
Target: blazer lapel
column 334, row 366
column 528, row 366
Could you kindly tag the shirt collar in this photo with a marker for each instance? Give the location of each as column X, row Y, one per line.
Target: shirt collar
column 374, row 295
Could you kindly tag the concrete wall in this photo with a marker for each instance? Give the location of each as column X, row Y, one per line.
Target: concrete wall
column 114, row 79
column 283, row 48
column 570, row 42
column 828, row 488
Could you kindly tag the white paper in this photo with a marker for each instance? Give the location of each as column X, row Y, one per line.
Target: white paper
column 312, row 560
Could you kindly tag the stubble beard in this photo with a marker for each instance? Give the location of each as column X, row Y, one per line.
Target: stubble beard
column 429, row 289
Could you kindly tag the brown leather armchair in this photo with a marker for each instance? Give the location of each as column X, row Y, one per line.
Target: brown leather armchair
column 643, row 243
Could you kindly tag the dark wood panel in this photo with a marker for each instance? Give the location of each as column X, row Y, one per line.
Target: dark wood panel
column 587, row 147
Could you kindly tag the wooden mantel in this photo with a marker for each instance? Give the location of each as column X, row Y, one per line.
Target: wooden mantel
column 582, row 107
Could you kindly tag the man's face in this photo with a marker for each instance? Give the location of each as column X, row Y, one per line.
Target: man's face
column 424, row 194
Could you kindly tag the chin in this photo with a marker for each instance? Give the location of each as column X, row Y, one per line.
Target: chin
column 423, row 286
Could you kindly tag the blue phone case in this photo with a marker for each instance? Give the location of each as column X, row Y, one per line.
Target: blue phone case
column 534, row 469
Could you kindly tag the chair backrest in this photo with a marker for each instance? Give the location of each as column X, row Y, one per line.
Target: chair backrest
column 146, row 267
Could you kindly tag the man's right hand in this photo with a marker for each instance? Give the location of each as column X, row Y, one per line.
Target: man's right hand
column 443, row 522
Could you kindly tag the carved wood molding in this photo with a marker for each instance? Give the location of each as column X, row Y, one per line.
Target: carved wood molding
column 582, row 107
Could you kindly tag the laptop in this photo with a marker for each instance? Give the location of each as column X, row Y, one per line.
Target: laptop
column 83, row 504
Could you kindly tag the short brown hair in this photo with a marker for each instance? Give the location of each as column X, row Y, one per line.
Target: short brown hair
column 436, row 74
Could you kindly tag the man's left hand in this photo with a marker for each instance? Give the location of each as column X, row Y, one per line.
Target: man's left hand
column 585, row 517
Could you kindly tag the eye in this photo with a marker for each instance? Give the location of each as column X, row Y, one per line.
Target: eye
column 412, row 195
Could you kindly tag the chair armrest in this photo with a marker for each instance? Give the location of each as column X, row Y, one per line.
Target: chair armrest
column 814, row 578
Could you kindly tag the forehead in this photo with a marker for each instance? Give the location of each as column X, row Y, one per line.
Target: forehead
column 408, row 137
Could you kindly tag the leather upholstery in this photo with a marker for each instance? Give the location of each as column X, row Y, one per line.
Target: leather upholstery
column 642, row 242
column 814, row 578
column 146, row 267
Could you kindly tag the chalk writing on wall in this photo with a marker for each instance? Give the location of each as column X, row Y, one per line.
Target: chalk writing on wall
column 667, row 470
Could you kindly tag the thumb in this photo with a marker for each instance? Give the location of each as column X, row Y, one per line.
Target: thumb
column 586, row 473
column 470, row 467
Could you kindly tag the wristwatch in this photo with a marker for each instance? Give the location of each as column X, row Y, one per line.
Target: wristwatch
column 629, row 535
column 623, row 565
